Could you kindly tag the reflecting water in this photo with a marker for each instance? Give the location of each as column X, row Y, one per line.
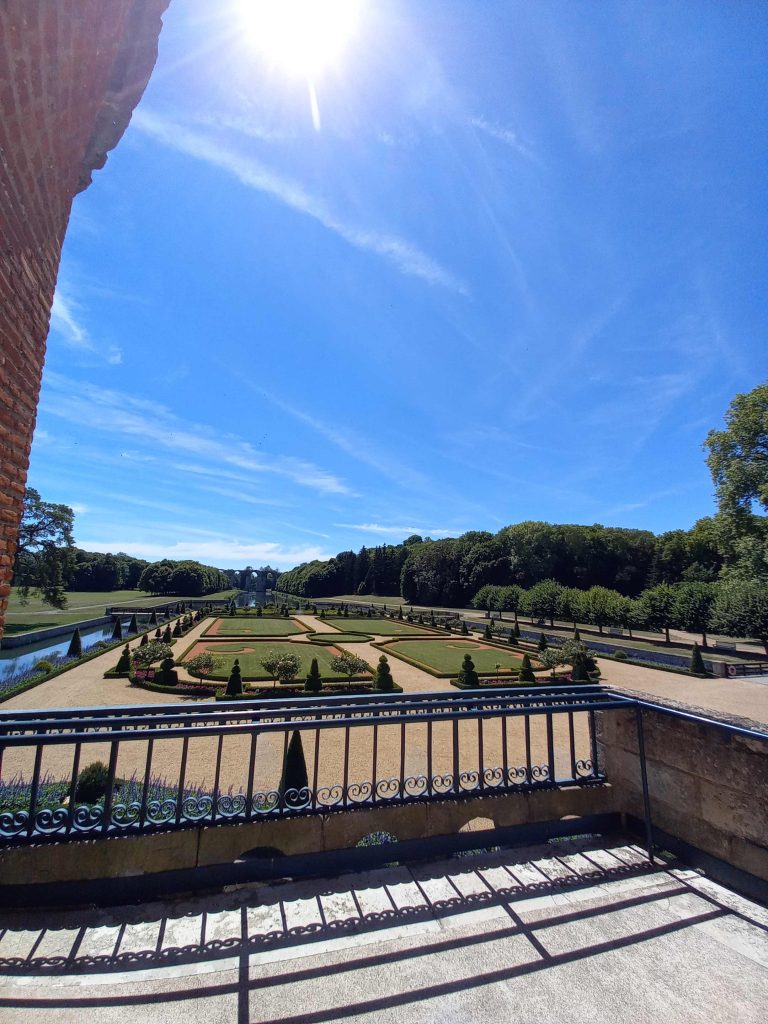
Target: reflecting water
column 19, row 659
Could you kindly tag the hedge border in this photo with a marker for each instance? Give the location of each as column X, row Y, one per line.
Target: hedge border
column 302, row 694
column 360, row 638
column 180, row 690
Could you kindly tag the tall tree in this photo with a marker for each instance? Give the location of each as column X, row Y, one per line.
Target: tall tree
column 738, row 462
column 44, row 549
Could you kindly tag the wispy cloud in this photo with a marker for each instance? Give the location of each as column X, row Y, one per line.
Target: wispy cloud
column 358, row 447
column 115, row 413
column 395, row 531
column 505, row 135
column 67, row 323
column 407, row 257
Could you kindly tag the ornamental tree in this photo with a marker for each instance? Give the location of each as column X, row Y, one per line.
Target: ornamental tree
column 382, row 677
column 201, row 665
column 349, row 665
column 658, row 607
column 467, row 675
column 693, row 607
column 153, row 651
column 314, row 681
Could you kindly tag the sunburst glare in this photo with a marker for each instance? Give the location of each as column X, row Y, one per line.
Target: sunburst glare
column 301, row 37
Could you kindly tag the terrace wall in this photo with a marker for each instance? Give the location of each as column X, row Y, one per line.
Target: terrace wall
column 707, row 787
column 71, row 73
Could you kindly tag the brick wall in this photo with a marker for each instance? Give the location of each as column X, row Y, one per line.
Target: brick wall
column 71, row 72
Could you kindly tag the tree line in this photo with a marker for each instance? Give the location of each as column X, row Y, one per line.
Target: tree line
column 451, row 571
column 731, row 607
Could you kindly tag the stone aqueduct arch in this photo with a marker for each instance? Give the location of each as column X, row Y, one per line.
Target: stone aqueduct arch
column 71, row 74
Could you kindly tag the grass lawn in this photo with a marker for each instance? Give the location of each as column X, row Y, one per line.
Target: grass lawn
column 340, row 638
column 444, row 657
column 251, row 625
column 251, row 653
column 379, row 627
column 84, row 605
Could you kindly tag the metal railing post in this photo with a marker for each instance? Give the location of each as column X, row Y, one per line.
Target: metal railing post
column 644, row 780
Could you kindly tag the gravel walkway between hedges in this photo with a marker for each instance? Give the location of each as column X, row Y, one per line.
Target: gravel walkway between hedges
column 85, row 686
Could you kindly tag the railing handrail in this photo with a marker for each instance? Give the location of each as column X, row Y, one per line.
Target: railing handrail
column 691, row 716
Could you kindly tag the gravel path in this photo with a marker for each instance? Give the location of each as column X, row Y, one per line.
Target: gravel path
column 85, row 686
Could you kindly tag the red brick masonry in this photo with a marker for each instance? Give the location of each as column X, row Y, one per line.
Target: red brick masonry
column 71, row 73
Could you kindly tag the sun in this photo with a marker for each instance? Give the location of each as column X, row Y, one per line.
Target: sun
column 301, row 37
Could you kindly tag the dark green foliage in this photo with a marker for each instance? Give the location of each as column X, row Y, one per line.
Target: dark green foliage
column 92, row 783
column 144, row 640
column 516, row 628
column 167, row 676
column 512, row 639
column 75, row 649
column 43, row 666
column 579, row 672
column 577, row 635
column 294, row 782
column 526, row 671
column 488, row 632
column 322, row 613
column 467, row 675
column 464, row 630
column 346, row 613
column 620, row 655
column 258, row 611
column 400, row 613
column 167, row 635
column 177, row 628
column 133, row 625
column 543, row 645
column 697, row 667
column 153, row 619
column 158, row 634
column 235, row 684
column 124, row 664
column 117, row 630
column 382, row 677
column 314, row 681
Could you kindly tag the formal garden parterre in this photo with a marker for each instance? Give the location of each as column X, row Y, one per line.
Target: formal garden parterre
column 251, row 654
column 251, row 625
column 443, row 656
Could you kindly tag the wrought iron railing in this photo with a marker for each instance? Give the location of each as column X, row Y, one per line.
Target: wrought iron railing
column 169, row 768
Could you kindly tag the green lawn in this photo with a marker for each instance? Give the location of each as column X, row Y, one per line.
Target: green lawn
column 250, row 655
column 252, row 625
column 340, row 638
column 380, row 627
column 85, row 605
column 444, row 657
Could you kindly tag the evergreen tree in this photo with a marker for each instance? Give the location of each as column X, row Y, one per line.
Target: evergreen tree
column 144, row 640
column 177, row 628
column 314, row 681
column 400, row 613
column 235, row 683
column 464, row 630
column 153, row 618
column 467, row 675
column 580, row 672
column 133, row 625
column 158, row 634
column 487, row 632
column 517, row 631
column 294, row 781
column 512, row 639
column 543, row 645
column 382, row 677
column 124, row 664
column 258, row 611
column 167, row 635
column 117, row 631
column 75, row 649
column 526, row 671
column 697, row 667
column 577, row 635
column 167, row 674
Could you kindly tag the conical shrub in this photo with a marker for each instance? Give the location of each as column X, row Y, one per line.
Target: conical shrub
column 144, row 640
column 382, row 677
column 467, row 675
column 75, row 648
column 526, row 671
column 117, row 630
column 124, row 664
column 294, row 782
column 133, row 625
column 697, row 667
column 314, row 681
column 235, row 683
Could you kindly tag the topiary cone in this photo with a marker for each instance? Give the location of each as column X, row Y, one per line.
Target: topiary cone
column 75, row 649
column 235, row 683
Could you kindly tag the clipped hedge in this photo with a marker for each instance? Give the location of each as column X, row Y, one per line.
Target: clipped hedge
column 181, row 690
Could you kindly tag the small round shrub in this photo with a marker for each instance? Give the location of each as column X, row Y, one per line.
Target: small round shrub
column 620, row 655
column 92, row 783
column 43, row 665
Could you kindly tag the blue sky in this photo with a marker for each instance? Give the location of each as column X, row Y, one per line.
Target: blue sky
column 508, row 265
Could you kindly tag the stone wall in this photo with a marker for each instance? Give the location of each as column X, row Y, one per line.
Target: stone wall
column 707, row 787
column 71, row 73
